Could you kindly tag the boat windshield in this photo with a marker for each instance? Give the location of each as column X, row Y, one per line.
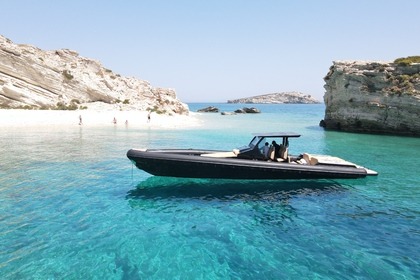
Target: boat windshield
column 255, row 141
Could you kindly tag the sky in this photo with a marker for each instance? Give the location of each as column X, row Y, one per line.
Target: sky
column 217, row 50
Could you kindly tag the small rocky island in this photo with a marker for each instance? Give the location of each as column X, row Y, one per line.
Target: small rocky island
column 278, row 98
column 31, row 78
column 374, row 97
column 209, row 109
column 245, row 110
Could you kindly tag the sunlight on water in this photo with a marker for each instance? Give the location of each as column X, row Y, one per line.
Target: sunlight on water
column 73, row 207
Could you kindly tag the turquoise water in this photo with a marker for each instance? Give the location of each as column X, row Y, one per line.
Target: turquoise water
column 73, row 207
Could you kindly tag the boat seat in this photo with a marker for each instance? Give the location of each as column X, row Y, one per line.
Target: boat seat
column 307, row 158
column 284, row 154
column 271, row 153
column 310, row 159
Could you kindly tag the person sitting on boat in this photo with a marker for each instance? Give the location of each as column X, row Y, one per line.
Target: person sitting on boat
column 265, row 150
column 276, row 149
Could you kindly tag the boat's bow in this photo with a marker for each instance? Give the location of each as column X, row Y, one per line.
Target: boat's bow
column 370, row 172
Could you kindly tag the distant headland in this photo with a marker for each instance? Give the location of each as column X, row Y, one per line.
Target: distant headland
column 278, row 98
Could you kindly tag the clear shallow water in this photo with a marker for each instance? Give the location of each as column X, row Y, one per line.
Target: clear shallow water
column 72, row 206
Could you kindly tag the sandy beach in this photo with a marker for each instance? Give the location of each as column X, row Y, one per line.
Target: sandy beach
column 18, row 117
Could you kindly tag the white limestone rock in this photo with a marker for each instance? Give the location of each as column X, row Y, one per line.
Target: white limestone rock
column 373, row 97
column 36, row 78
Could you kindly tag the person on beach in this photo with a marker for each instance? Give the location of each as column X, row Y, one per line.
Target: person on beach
column 80, row 119
column 148, row 117
column 114, row 121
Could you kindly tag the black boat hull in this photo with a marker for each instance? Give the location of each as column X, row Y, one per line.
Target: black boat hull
column 189, row 164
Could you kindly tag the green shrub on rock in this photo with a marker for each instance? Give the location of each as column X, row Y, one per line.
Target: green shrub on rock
column 404, row 61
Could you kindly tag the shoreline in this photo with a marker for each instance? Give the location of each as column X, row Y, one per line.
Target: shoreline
column 21, row 118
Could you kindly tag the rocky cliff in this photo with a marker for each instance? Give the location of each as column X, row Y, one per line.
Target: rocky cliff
column 33, row 78
column 278, row 98
column 373, row 97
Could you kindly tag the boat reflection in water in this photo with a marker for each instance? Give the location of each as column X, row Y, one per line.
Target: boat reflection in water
column 157, row 187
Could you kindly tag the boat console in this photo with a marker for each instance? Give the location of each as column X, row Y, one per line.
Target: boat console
column 254, row 150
